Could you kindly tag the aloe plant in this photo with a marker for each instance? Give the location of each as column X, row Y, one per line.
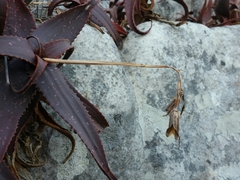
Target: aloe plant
column 32, row 80
column 28, row 76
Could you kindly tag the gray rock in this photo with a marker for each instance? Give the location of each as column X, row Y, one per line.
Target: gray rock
column 172, row 10
column 210, row 68
column 133, row 100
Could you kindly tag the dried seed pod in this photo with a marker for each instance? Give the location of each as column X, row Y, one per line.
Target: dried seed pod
column 171, row 106
column 176, row 100
column 173, row 128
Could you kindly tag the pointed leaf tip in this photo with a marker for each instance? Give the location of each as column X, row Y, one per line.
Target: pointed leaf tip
column 66, row 25
column 19, row 21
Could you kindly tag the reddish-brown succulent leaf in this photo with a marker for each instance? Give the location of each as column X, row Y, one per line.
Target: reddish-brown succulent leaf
column 129, row 8
column 221, row 8
column 40, row 66
column 66, row 25
column 138, row 8
column 99, row 16
column 5, row 173
column 19, row 19
column 65, row 102
column 119, row 29
column 12, row 105
column 46, row 119
column 17, row 47
column 99, row 120
column 3, row 10
column 206, row 12
column 57, row 48
column 55, row 3
column 114, row 9
column 185, row 7
column 22, row 123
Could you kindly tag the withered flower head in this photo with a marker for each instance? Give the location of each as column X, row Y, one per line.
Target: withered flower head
column 173, row 128
column 174, row 115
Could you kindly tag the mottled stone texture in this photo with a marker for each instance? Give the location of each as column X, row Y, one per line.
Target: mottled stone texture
column 133, row 101
column 173, row 10
column 209, row 60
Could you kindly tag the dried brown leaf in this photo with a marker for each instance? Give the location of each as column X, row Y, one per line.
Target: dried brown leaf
column 173, row 128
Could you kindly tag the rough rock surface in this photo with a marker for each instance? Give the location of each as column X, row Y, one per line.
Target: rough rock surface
column 133, row 101
column 173, row 10
column 210, row 67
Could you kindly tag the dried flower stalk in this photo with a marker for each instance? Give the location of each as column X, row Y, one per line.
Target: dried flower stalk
column 172, row 108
